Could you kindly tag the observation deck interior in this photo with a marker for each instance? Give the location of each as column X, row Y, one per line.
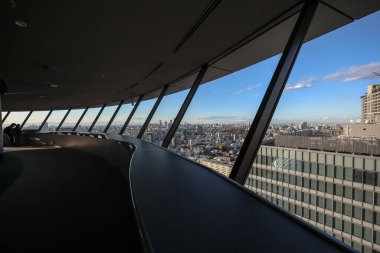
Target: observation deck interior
column 74, row 191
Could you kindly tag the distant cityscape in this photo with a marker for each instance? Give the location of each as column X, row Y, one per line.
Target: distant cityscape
column 217, row 145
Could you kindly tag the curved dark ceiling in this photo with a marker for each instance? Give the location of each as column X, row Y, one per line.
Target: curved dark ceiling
column 78, row 53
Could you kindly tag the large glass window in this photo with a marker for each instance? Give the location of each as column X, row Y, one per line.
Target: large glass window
column 54, row 120
column 325, row 120
column 164, row 117
column 219, row 116
column 88, row 119
column 35, row 120
column 15, row 117
column 71, row 119
column 139, row 117
column 104, row 118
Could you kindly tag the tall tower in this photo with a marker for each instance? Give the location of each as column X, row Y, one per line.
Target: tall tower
column 371, row 105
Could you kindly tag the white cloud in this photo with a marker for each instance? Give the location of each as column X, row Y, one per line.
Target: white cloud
column 346, row 75
column 356, row 73
column 300, row 85
column 258, row 85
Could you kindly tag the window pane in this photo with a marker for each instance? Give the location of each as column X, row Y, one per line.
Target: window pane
column 88, row 119
column 347, row 192
column 104, row 118
column 164, row 116
column 139, row 117
column 314, row 168
column 3, row 113
column 368, row 215
column 358, row 176
column 338, row 207
column 347, row 227
column 368, row 197
column 357, row 230
column 377, row 199
column 219, row 116
column 328, row 220
column 338, row 190
column 339, row 172
column 330, row 170
column 15, row 117
column 54, row 119
column 348, row 174
column 347, row 210
column 369, row 177
column 338, row 224
column 329, row 204
column 71, row 119
column 35, row 120
column 120, row 119
column 358, row 195
column 367, row 234
column 329, row 188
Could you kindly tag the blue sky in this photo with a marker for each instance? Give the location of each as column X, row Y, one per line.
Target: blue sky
column 328, row 78
column 330, row 75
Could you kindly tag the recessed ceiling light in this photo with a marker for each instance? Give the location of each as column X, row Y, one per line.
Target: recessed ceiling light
column 54, row 85
column 21, row 24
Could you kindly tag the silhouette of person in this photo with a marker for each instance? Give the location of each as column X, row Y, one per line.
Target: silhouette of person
column 9, row 131
column 17, row 135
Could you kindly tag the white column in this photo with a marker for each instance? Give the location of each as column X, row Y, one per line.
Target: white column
column 1, row 133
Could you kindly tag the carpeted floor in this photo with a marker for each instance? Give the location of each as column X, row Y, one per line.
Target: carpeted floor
column 60, row 200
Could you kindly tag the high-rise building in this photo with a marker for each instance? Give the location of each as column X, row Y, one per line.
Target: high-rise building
column 371, row 105
column 337, row 192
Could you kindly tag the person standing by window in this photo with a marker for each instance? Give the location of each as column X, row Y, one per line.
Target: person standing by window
column 17, row 134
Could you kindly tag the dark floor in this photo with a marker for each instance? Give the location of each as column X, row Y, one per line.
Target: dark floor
column 59, row 200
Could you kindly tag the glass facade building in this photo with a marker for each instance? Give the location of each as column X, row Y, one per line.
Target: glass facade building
column 338, row 193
